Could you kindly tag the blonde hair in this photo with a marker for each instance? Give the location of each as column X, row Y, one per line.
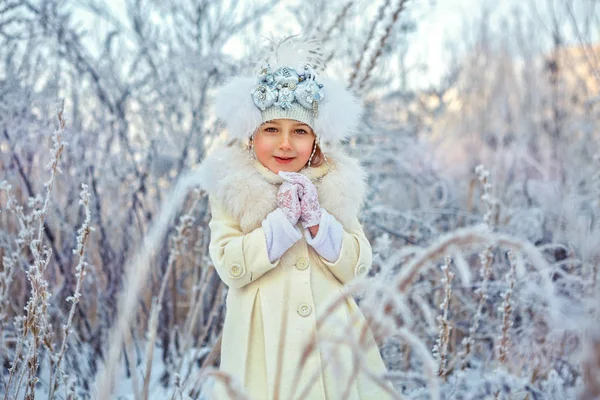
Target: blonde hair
column 318, row 157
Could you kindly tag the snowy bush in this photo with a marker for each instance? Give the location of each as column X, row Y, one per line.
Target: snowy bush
column 483, row 210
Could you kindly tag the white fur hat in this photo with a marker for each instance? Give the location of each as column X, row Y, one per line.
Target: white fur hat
column 335, row 112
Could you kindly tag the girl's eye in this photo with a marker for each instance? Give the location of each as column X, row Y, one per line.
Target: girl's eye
column 301, row 131
column 270, row 129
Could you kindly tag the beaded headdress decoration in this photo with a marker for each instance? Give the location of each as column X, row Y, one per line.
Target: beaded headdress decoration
column 287, row 92
column 286, row 85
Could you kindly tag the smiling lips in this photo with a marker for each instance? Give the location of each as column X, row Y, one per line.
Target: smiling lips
column 282, row 160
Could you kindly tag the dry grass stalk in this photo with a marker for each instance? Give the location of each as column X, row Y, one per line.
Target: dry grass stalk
column 178, row 242
column 132, row 367
column 591, row 367
column 336, row 23
column 193, row 313
column 359, row 365
column 593, row 288
column 234, row 389
column 200, row 278
column 219, row 298
column 6, row 277
column 357, row 66
column 135, row 276
column 486, row 257
column 80, row 272
column 36, row 321
column 406, row 356
column 382, row 40
column 210, row 358
column 356, row 360
column 507, row 321
column 211, row 319
column 359, row 349
column 440, row 350
column 466, row 237
column 490, row 217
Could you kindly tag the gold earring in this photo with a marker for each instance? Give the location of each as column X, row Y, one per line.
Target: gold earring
column 312, row 154
column 250, row 149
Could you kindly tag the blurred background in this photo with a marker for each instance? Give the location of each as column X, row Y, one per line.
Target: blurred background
column 118, row 96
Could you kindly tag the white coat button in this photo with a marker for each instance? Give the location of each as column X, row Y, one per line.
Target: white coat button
column 304, row 310
column 361, row 270
column 302, row 263
column 235, row 271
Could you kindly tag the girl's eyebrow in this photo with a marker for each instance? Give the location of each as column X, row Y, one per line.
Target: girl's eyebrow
column 295, row 125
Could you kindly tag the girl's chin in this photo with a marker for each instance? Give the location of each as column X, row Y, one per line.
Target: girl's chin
column 276, row 168
column 283, row 169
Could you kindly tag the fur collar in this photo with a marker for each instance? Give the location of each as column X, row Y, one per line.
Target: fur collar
column 248, row 190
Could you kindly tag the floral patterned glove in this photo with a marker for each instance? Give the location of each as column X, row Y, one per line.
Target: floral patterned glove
column 288, row 199
column 309, row 199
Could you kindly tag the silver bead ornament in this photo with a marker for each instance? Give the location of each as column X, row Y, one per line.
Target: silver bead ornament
column 286, row 76
column 263, row 97
column 285, row 85
column 270, row 80
column 285, row 99
column 307, row 92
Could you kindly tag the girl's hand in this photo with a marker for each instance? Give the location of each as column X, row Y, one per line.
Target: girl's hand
column 288, row 199
column 309, row 199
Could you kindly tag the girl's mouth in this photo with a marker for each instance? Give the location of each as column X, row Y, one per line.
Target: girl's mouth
column 283, row 160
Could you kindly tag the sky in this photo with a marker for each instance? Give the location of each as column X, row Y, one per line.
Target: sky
column 438, row 22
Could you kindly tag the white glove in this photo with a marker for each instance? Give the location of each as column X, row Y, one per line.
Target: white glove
column 309, row 198
column 288, row 199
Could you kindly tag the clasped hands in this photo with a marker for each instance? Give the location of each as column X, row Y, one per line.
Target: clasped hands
column 298, row 199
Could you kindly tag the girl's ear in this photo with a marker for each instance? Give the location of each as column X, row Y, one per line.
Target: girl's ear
column 234, row 106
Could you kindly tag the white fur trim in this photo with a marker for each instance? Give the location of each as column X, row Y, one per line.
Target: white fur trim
column 230, row 178
column 234, row 106
column 339, row 113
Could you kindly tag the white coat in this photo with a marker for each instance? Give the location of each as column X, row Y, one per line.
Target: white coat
column 263, row 318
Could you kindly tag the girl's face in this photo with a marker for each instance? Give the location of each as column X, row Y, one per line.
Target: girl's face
column 283, row 144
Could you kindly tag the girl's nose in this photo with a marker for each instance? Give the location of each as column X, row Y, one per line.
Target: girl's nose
column 285, row 141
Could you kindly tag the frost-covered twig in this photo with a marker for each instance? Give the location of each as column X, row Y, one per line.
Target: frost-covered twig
column 486, row 258
column 363, row 52
column 209, row 323
column 391, row 21
column 440, row 350
column 374, row 45
column 190, row 322
column 6, row 277
column 506, row 310
column 491, row 204
column 177, row 242
column 136, row 275
column 36, row 321
column 80, row 272
column 59, row 146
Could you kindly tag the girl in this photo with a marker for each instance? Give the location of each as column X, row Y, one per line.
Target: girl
column 285, row 234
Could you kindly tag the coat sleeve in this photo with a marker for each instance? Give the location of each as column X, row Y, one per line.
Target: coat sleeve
column 238, row 258
column 356, row 256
